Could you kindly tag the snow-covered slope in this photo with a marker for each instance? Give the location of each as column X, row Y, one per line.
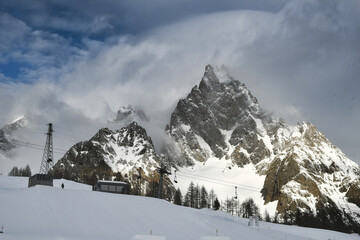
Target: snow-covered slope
column 49, row 213
column 223, row 139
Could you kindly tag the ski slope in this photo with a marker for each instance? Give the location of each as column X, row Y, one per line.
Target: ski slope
column 76, row 212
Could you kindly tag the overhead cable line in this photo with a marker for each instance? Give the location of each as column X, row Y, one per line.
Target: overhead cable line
column 36, row 148
column 220, row 182
column 233, row 183
column 37, row 145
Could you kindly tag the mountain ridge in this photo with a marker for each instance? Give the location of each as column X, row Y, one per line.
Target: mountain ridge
column 302, row 168
column 220, row 123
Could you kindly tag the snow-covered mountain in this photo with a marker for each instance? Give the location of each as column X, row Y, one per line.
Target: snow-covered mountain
column 127, row 115
column 6, row 133
column 220, row 129
column 221, row 138
column 118, row 155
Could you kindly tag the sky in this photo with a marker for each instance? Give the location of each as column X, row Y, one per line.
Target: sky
column 74, row 63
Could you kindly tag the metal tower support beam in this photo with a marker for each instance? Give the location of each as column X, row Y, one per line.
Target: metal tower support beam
column 47, row 160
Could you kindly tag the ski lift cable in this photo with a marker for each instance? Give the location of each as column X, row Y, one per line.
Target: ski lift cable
column 65, row 136
column 36, row 148
column 219, row 180
column 224, row 184
column 37, row 145
column 61, row 132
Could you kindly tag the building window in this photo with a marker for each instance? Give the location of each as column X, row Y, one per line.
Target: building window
column 104, row 187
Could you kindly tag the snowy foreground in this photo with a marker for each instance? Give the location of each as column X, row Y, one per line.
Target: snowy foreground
column 76, row 212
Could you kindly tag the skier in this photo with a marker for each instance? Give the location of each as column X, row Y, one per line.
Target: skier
column 62, row 186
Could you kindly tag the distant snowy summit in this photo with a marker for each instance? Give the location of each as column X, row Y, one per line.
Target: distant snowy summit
column 6, row 133
column 17, row 123
column 127, row 115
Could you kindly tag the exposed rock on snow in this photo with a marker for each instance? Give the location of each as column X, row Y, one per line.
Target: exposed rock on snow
column 221, row 119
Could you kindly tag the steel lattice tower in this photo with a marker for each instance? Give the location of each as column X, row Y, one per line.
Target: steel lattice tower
column 47, row 159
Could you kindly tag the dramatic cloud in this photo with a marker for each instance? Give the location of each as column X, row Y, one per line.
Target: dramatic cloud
column 301, row 62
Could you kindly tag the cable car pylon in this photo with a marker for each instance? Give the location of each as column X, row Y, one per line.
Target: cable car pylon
column 48, row 156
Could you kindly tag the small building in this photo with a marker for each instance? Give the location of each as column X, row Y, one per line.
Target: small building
column 41, row 179
column 112, row 187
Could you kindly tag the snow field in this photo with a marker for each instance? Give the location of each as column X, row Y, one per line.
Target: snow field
column 215, row 174
column 76, row 213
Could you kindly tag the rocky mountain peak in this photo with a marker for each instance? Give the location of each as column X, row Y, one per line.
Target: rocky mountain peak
column 127, row 115
column 109, row 153
column 214, row 117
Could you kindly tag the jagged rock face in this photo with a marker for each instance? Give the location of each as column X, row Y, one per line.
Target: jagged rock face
column 353, row 194
column 221, row 119
column 217, row 115
column 308, row 170
column 116, row 155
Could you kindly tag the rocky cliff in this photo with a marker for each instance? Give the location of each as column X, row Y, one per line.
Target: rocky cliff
column 302, row 170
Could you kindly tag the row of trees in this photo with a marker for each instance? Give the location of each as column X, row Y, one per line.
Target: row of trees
column 197, row 197
column 326, row 218
column 244, row 209
column 23, row 172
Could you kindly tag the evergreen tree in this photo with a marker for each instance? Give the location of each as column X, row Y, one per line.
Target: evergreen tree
column 216, row 204
column 27, row 171
column 267, row 216
column 197, row 197
column 178, row 197
column 14, row 172
column 249, row 208
column 203, row 198
column 22, row 172
column 189, row 200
